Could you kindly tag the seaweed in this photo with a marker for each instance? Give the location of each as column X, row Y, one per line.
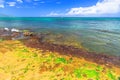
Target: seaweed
column 1, row 39
column 61, row 60
column 86, row 73
column 77, row 73
column 52, row 56
column 110, row 75
column 24, row 50
column 99, row 68
column 70, row 60
column 91, row 73
column 35, row 54
column 26, row 68
column 119, row 78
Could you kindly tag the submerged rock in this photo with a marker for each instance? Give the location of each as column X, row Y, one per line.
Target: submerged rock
column 11, row 34
column 17, row 36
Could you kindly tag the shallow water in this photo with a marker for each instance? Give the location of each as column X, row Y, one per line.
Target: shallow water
column 100, row 35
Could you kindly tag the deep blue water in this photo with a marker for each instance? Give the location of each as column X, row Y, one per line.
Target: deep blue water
column 100, row 35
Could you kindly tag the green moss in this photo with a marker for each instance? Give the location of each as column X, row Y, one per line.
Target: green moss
column 110, row 75
column 26, row 68
column 52, row 56
column 78, row 73
column 118, row 78
column 48, row 59
column 53, row 63
column 24, row 50
column 1, row 39
column 60, row 69
column 99, row 68
column 21, row 55
column 70, row 60
column 91, row 73
column 61, row 60
column 25, row 31
column 35, row 55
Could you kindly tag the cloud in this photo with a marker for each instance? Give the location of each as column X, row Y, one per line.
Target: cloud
column 1, row 3
column 53, row 14
column 56, row 14
column 1, row 6
column 101, row 7
column 20, row 1
column 11, row 3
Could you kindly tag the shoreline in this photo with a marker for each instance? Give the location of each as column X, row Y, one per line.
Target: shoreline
column 103, row 59
column 30, row 39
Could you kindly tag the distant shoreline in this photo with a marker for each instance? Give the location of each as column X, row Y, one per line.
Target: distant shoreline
column 55, row 17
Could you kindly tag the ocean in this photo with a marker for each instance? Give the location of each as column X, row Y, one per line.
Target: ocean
column 100, row 35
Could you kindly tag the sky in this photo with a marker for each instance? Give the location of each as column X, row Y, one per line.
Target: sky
column 60, row 8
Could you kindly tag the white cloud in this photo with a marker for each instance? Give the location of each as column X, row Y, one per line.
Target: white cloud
column 1, row 6
column 101, row 7
column 1, row 3
column 53, row 14
column 20, row 1
column 11, row 3
column 56, row 14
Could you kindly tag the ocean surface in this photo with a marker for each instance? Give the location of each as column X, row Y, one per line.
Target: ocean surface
column 101, row 35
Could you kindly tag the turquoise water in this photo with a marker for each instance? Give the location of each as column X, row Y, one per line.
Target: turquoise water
column 101, row 35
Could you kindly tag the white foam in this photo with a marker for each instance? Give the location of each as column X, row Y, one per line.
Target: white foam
column 15, row 30
column 7, row 29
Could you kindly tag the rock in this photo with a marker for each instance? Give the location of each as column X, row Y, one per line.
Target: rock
column 28, row 33
column 15, row 34
column 18, row 36
column 5, row 32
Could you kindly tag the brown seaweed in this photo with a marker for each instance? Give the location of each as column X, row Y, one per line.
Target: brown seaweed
column 108, row 60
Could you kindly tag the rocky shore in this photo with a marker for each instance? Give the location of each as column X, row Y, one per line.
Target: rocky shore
column 31, row 39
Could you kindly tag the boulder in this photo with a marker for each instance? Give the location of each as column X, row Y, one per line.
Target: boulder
column 28, row 33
